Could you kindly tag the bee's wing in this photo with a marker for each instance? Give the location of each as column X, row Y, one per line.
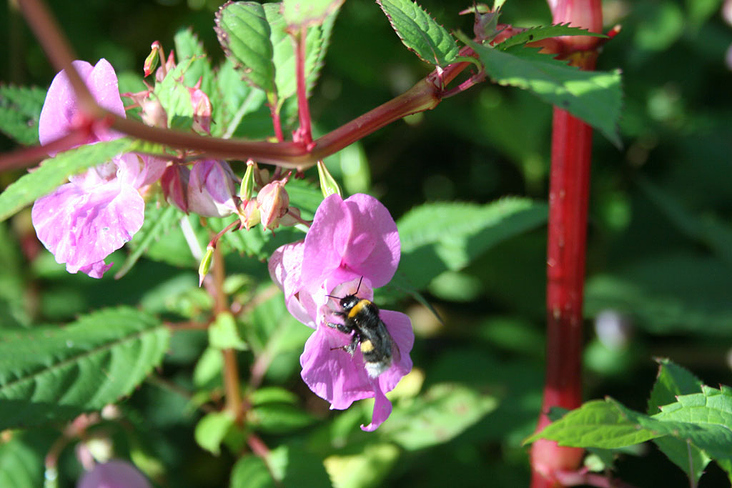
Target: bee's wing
column 396, row 355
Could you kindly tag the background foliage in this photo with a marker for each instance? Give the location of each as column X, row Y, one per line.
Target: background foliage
column 660, row 241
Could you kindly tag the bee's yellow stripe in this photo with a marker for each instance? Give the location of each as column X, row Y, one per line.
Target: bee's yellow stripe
column 357, row 308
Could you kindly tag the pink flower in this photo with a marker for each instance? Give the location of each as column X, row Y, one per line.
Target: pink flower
column 352, row 245
column 208, row 188
column 113, row 474
column 85, row 220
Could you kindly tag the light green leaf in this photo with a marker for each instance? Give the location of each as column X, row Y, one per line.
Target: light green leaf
column 297, row 466
column 244, row 33
column 56, row 373
column 211, row 430
column 598, row 423
column 54, row 171
column 593, row 96
column 278, row 418
column 365, row 469
column 20, row 108
column 308, row 13
column 440, row 414
column 420, row 32
column 223, row 334
column 545, row 32
column 188, row 46
column 447, row 236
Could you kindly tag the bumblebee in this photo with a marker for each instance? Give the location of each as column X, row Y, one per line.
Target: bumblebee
column 361, row 317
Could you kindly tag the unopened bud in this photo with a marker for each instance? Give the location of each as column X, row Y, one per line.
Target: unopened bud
column 273, row 202
column 328, row 184
column 205, row 264
column 174, row 183
column 249, row 214
column 247, row 183
column 212, row 189
column 151, row 61
column 201, row 109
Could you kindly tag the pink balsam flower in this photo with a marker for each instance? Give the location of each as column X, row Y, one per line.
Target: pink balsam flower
column 352, row 247
column 84, row 221
column 113, row 474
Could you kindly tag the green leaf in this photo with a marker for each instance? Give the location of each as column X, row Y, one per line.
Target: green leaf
column 251, row 472
column 539, row 33
column 232, row 100
column 420, row 32
column 598, row 423
column 307, row 13
column 211, row 430
column 20, row 465
column 54, row 171
column 316, row 45
column 365, row 469
column 158, row 222
column 672, row 381
column 244, row 33
column 297, row 466
column 188, row 46
column 223, row 334
column 57, row 373
column 668, row 292
column 440, row 414
column 437, row 237
column 20, row 108
column 278, row 418
column 593, row 96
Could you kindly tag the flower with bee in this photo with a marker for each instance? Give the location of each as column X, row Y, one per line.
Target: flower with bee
column 357, row 350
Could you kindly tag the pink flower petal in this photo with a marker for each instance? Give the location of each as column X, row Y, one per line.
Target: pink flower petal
column 60, row 114
column 327, row 240
column 113, row 474
column 374, row 248
column 382, row 410
column 333, row 374
column 400, row 329
column 81, row 227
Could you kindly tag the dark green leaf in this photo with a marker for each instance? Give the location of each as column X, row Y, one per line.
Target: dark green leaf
column 420, row 32
column 278, row 418
column 56, row 373
column 232, row 100
column 20, row 465
column 53, row 172
column 448, row 236
column 158, row 222
column 20, row 108
column 593, row 96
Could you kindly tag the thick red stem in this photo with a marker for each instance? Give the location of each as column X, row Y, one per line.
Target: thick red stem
column 569, row 189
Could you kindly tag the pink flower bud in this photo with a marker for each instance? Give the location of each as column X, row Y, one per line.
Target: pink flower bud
column 273, row 202
column 175, row 183
column 201, row 109
column 212, row 187
column 114, row 474
column 249, row 214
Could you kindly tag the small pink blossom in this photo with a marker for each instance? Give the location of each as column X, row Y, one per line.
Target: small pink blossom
column 352, row 245
column 85, row 220
column 113, row 474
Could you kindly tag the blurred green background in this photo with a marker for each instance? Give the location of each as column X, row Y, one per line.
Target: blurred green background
column 660, row 231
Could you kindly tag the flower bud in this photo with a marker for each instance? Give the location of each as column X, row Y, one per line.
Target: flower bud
column 249, row 214
column 175, row 183
column 212, row 188
column 247, row 183
column 205, row 264
column 201, row 109
column 114, row 474
column 273, row 202
column 151, row 62
column 328, row 184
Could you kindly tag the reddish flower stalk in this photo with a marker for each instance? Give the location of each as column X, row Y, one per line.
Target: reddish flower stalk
column 566, row 248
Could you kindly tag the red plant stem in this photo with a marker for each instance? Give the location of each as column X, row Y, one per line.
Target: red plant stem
column 566, row 250
column 303, row 109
